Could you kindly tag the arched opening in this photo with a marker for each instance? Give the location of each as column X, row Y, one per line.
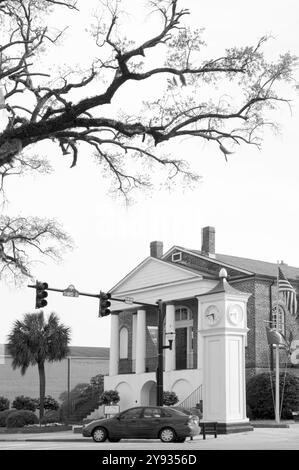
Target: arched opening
column 183, row 388
column 148, row 394
column 126, row 395
column 123, row 343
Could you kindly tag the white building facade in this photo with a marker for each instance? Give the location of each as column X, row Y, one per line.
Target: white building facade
column 133, row 342
column 189, row 371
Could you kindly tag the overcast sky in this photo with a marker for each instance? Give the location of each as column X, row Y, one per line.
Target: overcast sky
column 252, row 200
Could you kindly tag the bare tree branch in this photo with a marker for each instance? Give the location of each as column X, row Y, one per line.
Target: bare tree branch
column 21, row 237
column 74, row 112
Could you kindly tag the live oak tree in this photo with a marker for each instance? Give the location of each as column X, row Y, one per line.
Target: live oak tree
column 225, row 100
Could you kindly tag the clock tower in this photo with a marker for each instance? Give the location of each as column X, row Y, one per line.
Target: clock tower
column 223, row 331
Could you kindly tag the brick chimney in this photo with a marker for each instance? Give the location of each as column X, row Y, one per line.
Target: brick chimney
column 156, row 249
column 208, row 241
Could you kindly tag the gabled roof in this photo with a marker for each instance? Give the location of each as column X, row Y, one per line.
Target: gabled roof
column 207, row 265
column 244, row 265
column 259, row 267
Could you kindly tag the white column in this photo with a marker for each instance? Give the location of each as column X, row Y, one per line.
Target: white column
column 114, row 345
column 199, row 338
column 140, row 341
column 134, row 336
column 169, row 328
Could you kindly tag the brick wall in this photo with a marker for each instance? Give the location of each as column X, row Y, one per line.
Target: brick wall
column 248, row 286
column 126, row 320
column 259, row 357
column 262, row 315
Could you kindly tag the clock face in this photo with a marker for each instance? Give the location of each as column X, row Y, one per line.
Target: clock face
column 212, row 315
column 235, row 314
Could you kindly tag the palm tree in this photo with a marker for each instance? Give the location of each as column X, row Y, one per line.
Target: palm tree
column 35, row 341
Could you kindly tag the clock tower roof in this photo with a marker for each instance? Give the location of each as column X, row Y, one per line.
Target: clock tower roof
column 223, row 286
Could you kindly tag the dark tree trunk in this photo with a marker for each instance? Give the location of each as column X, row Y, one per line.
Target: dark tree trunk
column 42, row 388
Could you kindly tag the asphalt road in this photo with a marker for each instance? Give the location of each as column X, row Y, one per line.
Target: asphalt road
column 259, row 439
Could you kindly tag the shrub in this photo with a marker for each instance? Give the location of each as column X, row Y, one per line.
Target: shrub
column 19, row 419
column 170, row 398
column 82, row 399
column 25, row 403
column 261, row 395
column 81, row 402
column 4, row 403
column 109, row 397
column 51, row 416
column 49, row 403
column 3, row 416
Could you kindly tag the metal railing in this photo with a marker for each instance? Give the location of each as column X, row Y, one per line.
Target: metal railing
column 193, row 399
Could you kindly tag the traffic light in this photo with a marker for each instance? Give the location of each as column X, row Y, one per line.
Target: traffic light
column 104, row 304
column 41, row 294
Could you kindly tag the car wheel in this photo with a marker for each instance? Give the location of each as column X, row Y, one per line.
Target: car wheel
column 167, row 435
column 99, row 434
column 180, row 439
column 112, row 439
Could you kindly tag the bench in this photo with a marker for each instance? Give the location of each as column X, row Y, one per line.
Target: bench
column 208, row 427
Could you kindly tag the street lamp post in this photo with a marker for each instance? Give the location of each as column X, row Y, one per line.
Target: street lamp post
column 68, row 388
column 159, row 372
column 160, row 354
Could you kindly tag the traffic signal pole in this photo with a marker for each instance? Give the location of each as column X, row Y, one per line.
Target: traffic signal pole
column 97, row 296
column 160, row 321
column 62, row 290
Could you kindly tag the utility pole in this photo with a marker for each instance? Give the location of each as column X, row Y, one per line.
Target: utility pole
column 68, row 388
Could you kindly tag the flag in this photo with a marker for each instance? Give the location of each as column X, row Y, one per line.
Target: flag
column 288, row 292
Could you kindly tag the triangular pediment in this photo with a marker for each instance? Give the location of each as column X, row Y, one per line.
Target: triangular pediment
column 154, row 272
